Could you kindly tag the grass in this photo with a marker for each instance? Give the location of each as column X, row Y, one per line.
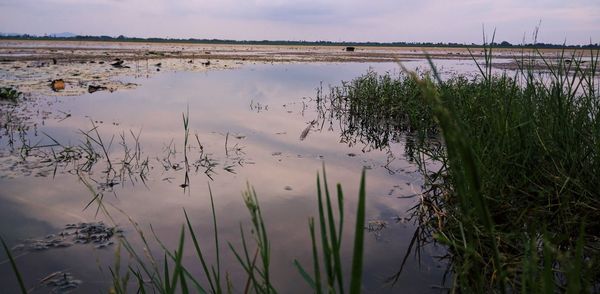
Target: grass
column 510, row 164
column 13, row 265
column 149, row 274
column 9, row 94
column 331, row 242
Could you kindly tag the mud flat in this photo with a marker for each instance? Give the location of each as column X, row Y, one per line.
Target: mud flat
column 85, row 66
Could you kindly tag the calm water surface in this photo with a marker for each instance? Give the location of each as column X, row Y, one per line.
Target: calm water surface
column 260, row 111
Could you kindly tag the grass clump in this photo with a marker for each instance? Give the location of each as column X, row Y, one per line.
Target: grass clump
column 9, row 94
column 510, row 162
column 331, row 242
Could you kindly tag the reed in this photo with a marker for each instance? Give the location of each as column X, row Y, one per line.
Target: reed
column 510, row 163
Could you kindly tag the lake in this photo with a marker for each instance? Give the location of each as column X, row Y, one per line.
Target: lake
column 244, row 128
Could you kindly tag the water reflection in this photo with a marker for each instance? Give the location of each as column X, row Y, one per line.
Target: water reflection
column 243, row 125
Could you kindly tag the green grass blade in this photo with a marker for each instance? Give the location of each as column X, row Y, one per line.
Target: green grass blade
column 166, row 274
column 216, row 276
column 340, row 197
column 174, row 258
column 324, row 237
column 140, row 279
column 335, row 244
column 359, row 234
column 184, row 287
column 178, row 259
column 13, row 264
column 317, row 267
column 199, row 253
column 307, row 278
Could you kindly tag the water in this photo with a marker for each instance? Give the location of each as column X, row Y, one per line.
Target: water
column 260, row 110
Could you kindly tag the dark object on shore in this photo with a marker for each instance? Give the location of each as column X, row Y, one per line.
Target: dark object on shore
column 207, row 63
column 119, row 64
column 158, row 64
column 57, row 85
column 350, row 49
column 93, row 88
column 54, row 61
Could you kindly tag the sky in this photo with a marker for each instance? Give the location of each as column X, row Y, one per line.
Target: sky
column 461, row 21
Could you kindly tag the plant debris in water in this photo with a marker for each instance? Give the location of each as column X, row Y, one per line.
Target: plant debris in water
column 60, row 282
column 95, row 233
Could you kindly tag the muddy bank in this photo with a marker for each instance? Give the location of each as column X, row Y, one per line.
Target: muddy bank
column 26, row 50
column 31, row 66
column 60, row 77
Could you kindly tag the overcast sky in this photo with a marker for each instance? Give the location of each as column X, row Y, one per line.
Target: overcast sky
column 576, row 21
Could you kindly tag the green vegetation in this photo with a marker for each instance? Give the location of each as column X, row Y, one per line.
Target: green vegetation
column 331, row 242
column 253, row 258
column 9, row 94
column 13, row 265
column 511, row 166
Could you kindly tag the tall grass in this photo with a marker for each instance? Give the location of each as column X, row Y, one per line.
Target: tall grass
column 331, row 242
column 510, row 162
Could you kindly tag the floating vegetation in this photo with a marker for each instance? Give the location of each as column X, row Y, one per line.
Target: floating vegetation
column 96, row 233
column 258, row 107
column 60, row 282
column 376, row 227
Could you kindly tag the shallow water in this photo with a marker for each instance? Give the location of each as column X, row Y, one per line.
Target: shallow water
column 248, row 122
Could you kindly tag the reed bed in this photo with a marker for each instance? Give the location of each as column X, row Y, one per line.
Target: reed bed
column 510, row 161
